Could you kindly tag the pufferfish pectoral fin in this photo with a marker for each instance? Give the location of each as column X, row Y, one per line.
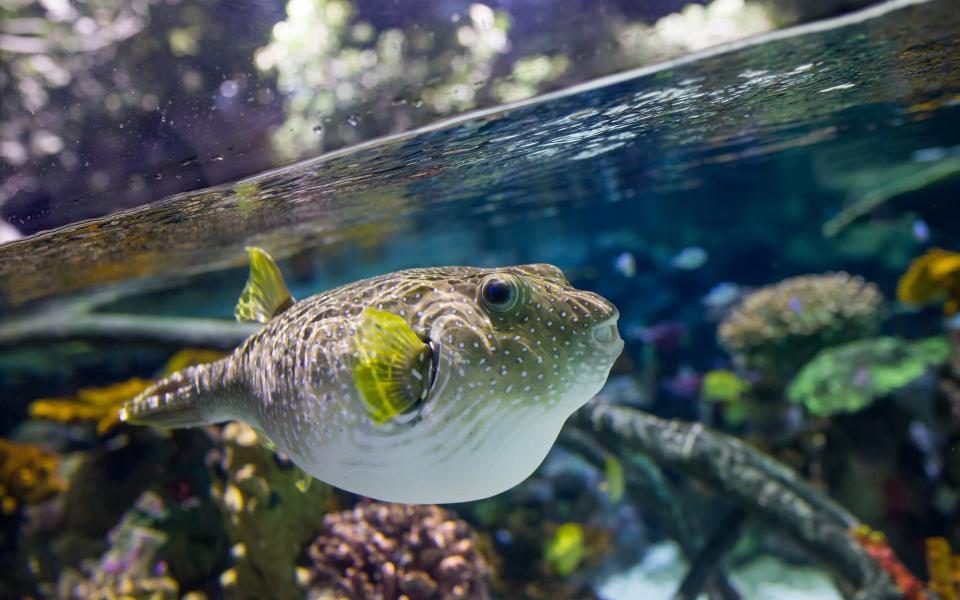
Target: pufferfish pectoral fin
column 395, row 368
column 266, row 294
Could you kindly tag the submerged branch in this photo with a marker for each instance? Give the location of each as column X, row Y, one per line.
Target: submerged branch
column 707, row 561
column 164, row 331
column 647, row 481
column 763, row 487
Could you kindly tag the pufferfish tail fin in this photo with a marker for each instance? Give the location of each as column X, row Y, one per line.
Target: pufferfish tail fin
column 197, row 395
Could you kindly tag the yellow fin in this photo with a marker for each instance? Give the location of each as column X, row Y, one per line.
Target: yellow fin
column 265, row 295
column 395, row 366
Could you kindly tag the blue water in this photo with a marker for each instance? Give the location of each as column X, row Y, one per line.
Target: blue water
column 733, row 167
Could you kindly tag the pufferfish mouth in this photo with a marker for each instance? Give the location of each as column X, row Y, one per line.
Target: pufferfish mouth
column 606, row 334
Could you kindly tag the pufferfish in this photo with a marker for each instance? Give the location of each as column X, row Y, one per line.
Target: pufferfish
column 428, row 385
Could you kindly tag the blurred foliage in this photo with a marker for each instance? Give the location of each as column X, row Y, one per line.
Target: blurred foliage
column 344, row 80
column 111, row 103
column 849, row 377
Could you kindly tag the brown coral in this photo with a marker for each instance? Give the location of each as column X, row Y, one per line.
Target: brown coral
column 392, row 551
column 28, row 474
column 778, row 328
column 933, row 277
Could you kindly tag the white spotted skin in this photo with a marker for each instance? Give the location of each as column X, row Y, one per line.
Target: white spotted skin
column 506, row 381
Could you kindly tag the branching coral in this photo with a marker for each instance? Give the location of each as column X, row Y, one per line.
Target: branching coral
column 780, row 327
column 392, row 551
column 28, row 474
column 849, row 377
column 933, row 277
column 101, row 404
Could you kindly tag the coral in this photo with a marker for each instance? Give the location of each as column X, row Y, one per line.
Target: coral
column 267, row 517
column 565, row 549
column 102, row 404
column 778, row 328
column 131, row 567
column 933, row 277
column 723, row 386
column 876, row 545
column 98, row 404
column 943, row 566
column 851, row 376
column 393, row 551
column 28, row 474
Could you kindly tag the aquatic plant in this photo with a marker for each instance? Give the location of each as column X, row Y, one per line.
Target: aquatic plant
column 778, row 328
column 391, row 551
column 932, row 277
column 267, row 511
column 131, row 568
column 877, row 546
column 943, row 567
column 102, row 404
column 28, row 474
column 895, row 181
column 851, row 376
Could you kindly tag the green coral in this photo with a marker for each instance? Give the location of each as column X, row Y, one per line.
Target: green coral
column 849, row 377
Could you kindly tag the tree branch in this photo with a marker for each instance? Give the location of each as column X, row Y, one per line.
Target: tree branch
column 761, row 485
column 646, row 480
column 707, row 561
column 164, row 331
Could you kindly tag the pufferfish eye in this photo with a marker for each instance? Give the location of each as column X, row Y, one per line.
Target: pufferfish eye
column 498, row 293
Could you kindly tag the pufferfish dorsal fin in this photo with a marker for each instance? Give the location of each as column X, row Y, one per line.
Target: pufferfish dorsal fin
column 393, row 374
column 265, row 295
